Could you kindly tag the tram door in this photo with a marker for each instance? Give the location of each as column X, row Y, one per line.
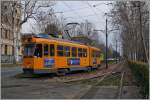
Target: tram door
column 49, row 52
column 38, row 57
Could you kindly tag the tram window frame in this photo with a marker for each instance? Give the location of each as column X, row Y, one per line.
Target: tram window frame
column 46, row 51
column 40, row 50
column 80, row 52
column 60, row 50
column 84, row 52
column 52, row 50
column 67, row 51
column 74, row 52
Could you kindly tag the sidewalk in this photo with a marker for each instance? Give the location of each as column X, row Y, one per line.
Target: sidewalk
column 11, row 65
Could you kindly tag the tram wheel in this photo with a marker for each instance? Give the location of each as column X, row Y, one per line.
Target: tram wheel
column 62, row 72
column 89, row 69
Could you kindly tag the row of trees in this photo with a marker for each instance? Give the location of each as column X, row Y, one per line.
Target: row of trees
column 132, row 19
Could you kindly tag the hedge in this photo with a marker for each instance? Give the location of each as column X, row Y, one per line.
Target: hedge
column 141, row 73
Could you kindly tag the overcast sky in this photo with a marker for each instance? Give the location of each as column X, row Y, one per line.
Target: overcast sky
column 79, row 11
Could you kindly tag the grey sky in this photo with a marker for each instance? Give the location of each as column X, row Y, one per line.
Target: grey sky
column 79, row 11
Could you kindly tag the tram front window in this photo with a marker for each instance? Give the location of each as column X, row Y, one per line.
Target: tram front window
column 29, row 49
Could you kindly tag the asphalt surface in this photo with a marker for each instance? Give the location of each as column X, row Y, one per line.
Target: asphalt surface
column 8, row 71
column 13, row 87
column 48, row 87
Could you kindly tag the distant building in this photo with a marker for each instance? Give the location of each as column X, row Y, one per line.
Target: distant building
column 10, row 32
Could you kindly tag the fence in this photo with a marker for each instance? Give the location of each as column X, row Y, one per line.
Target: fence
column 9, row 59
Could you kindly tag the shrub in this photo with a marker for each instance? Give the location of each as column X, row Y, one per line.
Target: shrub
column 141, row 73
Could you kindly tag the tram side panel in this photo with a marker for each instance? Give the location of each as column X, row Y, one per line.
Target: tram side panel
column 94, row 59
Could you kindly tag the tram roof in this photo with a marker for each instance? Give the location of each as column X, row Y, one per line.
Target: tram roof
column 63, row 41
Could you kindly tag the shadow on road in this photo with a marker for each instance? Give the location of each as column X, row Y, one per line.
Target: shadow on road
column 47, row 75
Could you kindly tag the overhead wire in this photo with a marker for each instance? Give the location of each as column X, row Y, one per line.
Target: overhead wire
column 81, row 17
column 93, row 10
column 76, row 9
column 73, row 10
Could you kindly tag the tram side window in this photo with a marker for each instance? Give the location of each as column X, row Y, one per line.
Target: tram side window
column 52, row 50
column 60, row 51
column 93, row 53
column 74, row 51
column 67, row 51
column 84, row 52
column 38, row 50
column 98, row 53
column 45, row 49
column 79, row 52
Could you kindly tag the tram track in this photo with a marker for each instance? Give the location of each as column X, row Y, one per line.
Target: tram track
column 88, row 76
column 93, row 89
column 120, row 86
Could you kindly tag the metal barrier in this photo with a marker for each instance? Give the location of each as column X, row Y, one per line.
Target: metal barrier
column 9, row 59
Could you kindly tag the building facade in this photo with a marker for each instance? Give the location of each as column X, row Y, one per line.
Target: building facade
column 10, row 32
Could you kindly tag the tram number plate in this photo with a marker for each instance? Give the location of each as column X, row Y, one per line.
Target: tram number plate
column 74, row 61
column 48, row 62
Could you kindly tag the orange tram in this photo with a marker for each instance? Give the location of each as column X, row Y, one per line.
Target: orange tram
column 52, row 55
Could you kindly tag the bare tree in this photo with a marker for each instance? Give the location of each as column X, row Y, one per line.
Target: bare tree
column 31, row 7
column 47, row 22
column 86, row 30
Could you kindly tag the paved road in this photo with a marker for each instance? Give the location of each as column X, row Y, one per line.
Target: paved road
column 50, row 88
column 8, row 71
column 35, row 88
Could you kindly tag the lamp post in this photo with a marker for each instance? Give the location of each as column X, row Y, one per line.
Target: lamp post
column 106, row 62
column 106, row 42
column 116, row 51
column 106, row 33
